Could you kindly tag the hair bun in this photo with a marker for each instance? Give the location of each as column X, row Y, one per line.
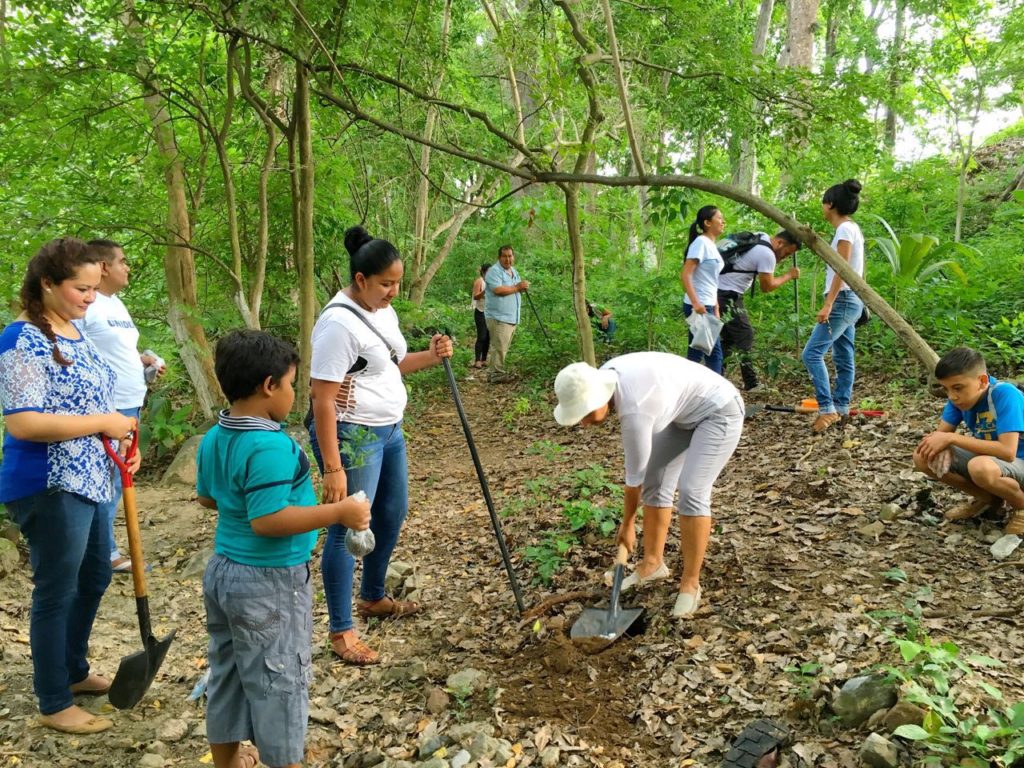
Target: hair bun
column 356, row 238
column 852, row 185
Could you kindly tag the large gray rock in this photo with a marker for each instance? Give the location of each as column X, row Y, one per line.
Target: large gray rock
column 466, row 682
column 878, row 752
column 860, row 697
column 464, row 733
column 183, row 469
column 460, row 759
column 172, row 730
column 549, row 757
column 904, row 713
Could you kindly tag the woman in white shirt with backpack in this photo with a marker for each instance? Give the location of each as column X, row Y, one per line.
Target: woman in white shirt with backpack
column 837, row 319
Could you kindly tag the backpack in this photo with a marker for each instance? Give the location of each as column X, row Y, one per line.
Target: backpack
column 731, row 247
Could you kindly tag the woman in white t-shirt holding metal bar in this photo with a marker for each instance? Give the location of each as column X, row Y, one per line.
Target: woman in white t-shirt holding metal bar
column 359, row 398
column 680, row 425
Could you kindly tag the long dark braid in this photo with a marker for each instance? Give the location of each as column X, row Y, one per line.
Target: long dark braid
column 56, row 261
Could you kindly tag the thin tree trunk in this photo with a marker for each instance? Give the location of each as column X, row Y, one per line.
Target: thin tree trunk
column 183, row 313
column 895, row 75
column 303, row 212
column 745, row 176
column 802, row 23
column 579, row 279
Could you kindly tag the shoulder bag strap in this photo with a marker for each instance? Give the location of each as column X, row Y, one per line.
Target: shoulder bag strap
column 354, row 311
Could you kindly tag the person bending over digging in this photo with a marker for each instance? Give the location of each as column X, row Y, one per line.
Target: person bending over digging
column 988, row 464
column 680, row 424
column 257, row 590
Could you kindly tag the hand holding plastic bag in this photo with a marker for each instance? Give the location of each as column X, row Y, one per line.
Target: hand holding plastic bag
column 705, row 329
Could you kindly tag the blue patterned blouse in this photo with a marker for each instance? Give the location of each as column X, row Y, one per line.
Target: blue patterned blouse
column 31, row 380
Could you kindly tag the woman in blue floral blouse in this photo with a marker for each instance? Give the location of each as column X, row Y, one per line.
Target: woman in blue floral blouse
column 56, row 391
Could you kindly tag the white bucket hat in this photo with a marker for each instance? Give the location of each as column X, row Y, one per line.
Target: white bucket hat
column 580, row 389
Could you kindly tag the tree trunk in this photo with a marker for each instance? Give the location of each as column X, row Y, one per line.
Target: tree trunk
column 745, row 176
column 802, row 23
column 183, row 313
column 895, row 76
column 579, row 277
column 303, row 218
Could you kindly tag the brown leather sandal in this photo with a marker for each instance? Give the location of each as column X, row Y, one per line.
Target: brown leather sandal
column 358, row 653
column 386, row 607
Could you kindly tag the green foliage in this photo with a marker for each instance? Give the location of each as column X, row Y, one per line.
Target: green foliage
column 966, row 716
column 164, row 427
column 917, row 257
column 549, row 555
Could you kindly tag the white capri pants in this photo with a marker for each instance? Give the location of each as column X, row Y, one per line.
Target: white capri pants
column 673, row 465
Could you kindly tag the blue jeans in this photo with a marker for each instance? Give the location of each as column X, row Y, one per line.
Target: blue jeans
column 838, row 335
column 108, row 510
column 71, row 570
column 712, row 361
column 375, row 463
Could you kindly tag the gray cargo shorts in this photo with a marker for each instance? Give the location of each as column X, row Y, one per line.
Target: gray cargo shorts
column 260, row 622
column 1012, row 469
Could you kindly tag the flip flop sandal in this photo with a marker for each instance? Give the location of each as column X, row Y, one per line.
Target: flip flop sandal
column 89, row 691
column 125, row 566
column 358, row 654
column 760, row 740
column 94, row 724
column 387, row 607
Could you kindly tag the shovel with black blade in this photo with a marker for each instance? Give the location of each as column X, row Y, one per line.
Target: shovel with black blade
column 136, row 672
column 606, row 625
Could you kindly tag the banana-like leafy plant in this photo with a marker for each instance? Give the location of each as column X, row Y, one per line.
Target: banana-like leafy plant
column 916, row 257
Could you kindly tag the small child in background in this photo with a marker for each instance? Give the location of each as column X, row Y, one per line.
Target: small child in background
column 259, row 601
column 988, row 464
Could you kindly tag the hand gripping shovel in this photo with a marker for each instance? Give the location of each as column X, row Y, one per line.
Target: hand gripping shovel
column 608, row 624
column 136, row 671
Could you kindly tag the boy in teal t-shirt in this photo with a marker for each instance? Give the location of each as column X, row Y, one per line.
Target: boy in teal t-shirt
column 988, row 464
column 259, row 602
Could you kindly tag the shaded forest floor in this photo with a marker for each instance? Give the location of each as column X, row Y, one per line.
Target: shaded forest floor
column 798, row 569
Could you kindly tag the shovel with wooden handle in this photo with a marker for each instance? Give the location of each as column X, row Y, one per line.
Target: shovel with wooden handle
column 136, row 672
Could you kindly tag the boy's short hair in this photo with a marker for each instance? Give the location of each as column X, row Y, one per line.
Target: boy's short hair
column 245, row 358
column 960, row 361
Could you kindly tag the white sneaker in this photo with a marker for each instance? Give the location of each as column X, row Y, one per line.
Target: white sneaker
column 686, row 604
column 635, row 579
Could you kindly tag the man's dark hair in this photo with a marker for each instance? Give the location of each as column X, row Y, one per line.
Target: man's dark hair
column 960, row 361
column 504, row 248
column 245, row 358
column 789, row 238
column 104, row 250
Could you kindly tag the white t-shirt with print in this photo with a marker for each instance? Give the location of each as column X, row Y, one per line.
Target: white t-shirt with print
column 850, row 232
column 656, row 389
column 109, row 326
column 759, row 260
column 340, row 339
column 705, row 276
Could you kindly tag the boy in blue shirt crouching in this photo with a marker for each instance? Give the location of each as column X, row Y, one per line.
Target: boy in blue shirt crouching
column 259, row 601
column 988, row 464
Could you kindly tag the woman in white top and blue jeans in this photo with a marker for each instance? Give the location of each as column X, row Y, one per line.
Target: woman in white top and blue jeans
column 700, row 278
column 839, row 314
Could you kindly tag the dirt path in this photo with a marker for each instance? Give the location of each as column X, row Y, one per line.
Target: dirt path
column 794, row 572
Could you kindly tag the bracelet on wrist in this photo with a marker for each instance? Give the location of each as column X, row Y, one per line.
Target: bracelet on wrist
column 331, row 471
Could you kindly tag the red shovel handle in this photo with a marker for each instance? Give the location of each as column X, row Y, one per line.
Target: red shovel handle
column 127, row 480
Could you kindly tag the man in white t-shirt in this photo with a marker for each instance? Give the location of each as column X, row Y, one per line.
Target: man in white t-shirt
column 736, row 279
column 109, row 326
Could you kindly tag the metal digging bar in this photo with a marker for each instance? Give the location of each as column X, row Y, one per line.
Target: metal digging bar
column 536, row 314
column 495, row 523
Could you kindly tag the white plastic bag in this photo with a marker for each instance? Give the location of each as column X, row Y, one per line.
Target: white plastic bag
column 705, row 329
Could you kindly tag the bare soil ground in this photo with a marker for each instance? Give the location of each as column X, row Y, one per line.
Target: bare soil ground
column 796, row 574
